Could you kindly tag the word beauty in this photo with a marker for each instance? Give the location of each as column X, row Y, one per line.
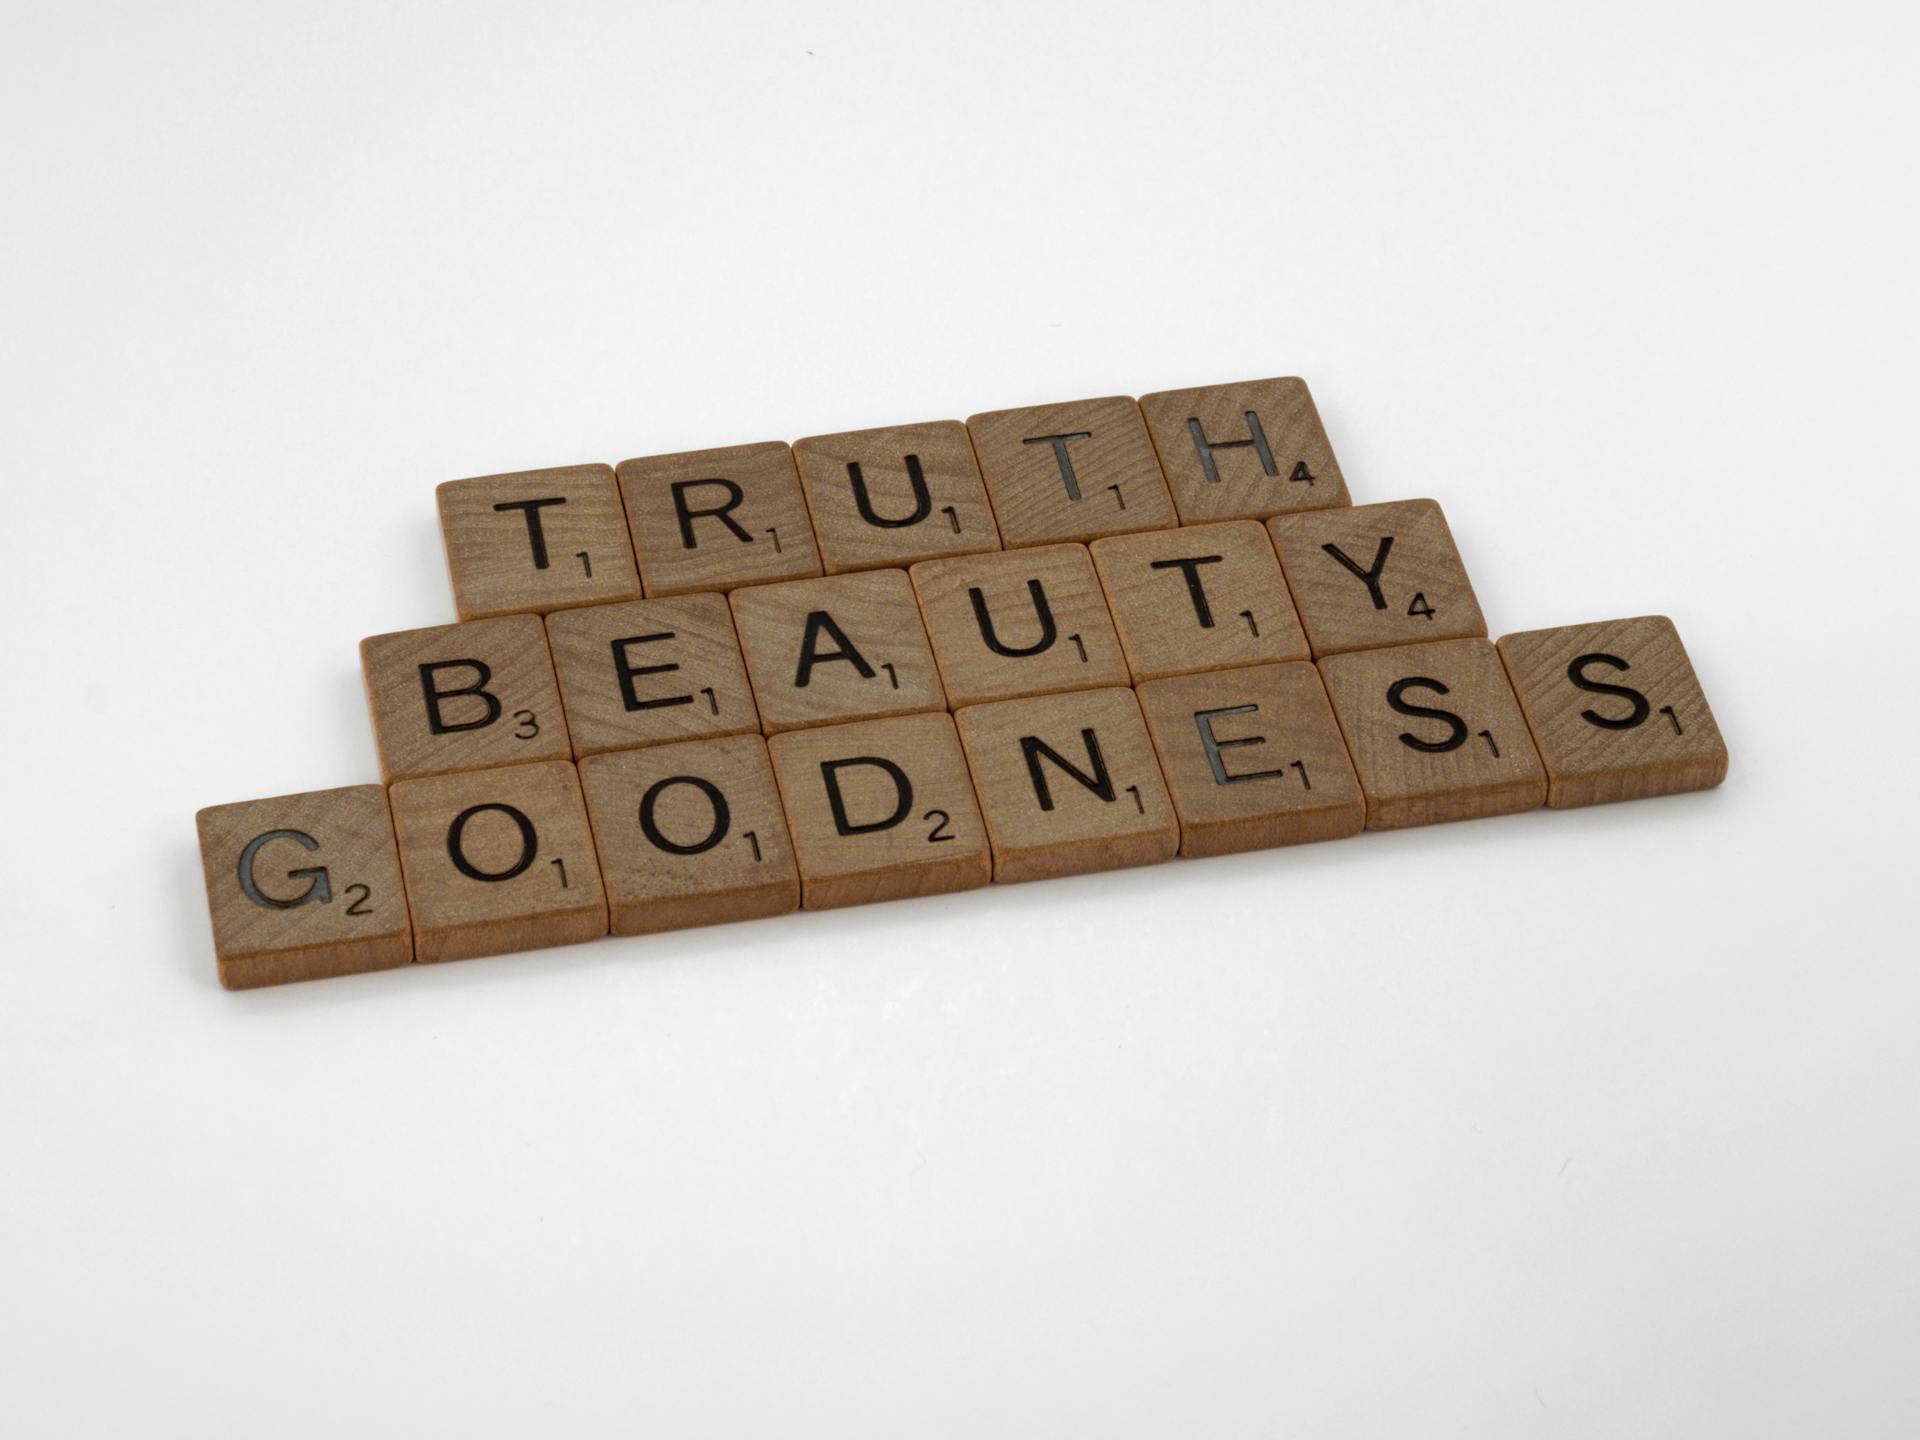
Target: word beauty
column 914, row 660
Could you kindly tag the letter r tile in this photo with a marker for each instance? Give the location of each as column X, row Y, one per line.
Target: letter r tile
column 463, row 697
column 304, row 886
column 536, row 540
column 717, row 519
column 880, row 810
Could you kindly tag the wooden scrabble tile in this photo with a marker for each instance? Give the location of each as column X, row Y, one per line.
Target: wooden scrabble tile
column 536, row 540
column 1204, row 598
column 1068, row 784
column 1253, row 758
column 895, row 495
column 1073, row 471
column 1434, row 732
column 1018, row 622
column 498, row 861
column 690, row 834
column 304, row 886
column 650, row 672
column 880, row 810
column 1243, row 451
column 846, row 647
column 1377, row 575
column 463, row 697
column 1616, row 710
column 714, row 519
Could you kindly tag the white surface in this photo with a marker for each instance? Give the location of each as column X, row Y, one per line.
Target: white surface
column 1590, row 1124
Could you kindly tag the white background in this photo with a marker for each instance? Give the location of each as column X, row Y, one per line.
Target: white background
column 1603, row 1123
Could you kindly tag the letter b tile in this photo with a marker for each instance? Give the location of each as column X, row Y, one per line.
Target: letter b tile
column 880, row 810
column 498, row 861
column 463, row 697
column 304, row 886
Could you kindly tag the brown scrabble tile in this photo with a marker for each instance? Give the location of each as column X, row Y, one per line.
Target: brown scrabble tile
column 1253, row 758
column 1377, row 575
column 1018, row 622
column 714, row 519
column 1616, row 710
column 1243, row 451
column 1434, row 732
column 463, row 697
column 498, row 861
column 650, row 672
column 1073, row 471
column 1204, row 598
column 1068, row 784
column 690, row 834
column 895, row 495
column 536, row 540
column 846, row 647
column 301, row 887
column 880, row 810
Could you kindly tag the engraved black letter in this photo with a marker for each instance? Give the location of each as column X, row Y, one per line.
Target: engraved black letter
column 536, row 536
column 626, row 670
column 1641, row 709
column 1205, row 447
column 818, row 621
column 429, row 687
column 1190, row 567
column 1214, row 745
column 721, row 512
column 529, row 843
column 1062, row 459
column 1099, row 782
column 903, row 790
column 316, row 878
column 722, row 815
column 1040, row 608
column 1458, row 729
column 922, row 497
column 1369, row 578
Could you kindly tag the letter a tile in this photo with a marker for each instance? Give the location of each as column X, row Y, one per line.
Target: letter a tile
column 1068, row 784
column 1243, row 451
column 463, row 697
column 304, row 886
column 880, row 810
column 1253, row 758
column 895, row 495
column 1616, row 710
column 1435, row 733
column 690, row 834
column 1019, row 622
column 498, row 861
column 846, row 647
column 537, row 540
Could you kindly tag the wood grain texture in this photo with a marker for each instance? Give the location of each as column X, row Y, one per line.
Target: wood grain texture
column 1220, row 464
column 1208, row 597
column 536, row 540
column 1068, row 784
column 880, row 810
column 1253, row 758
column 463, row 697
column 1435, row 733
column 1419, row 591
column 302, row 887
column 1616, row 710
column 841, row 648
column 651, row 672
column 895, row 495
column 1018, row 622
column 690, row 834
column 498, row 861
column 716, row 519
column 1071, row 471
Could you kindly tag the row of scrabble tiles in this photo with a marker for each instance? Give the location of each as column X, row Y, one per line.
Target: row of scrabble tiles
column 945, row 634
column 488, row 861
column 712, row 520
